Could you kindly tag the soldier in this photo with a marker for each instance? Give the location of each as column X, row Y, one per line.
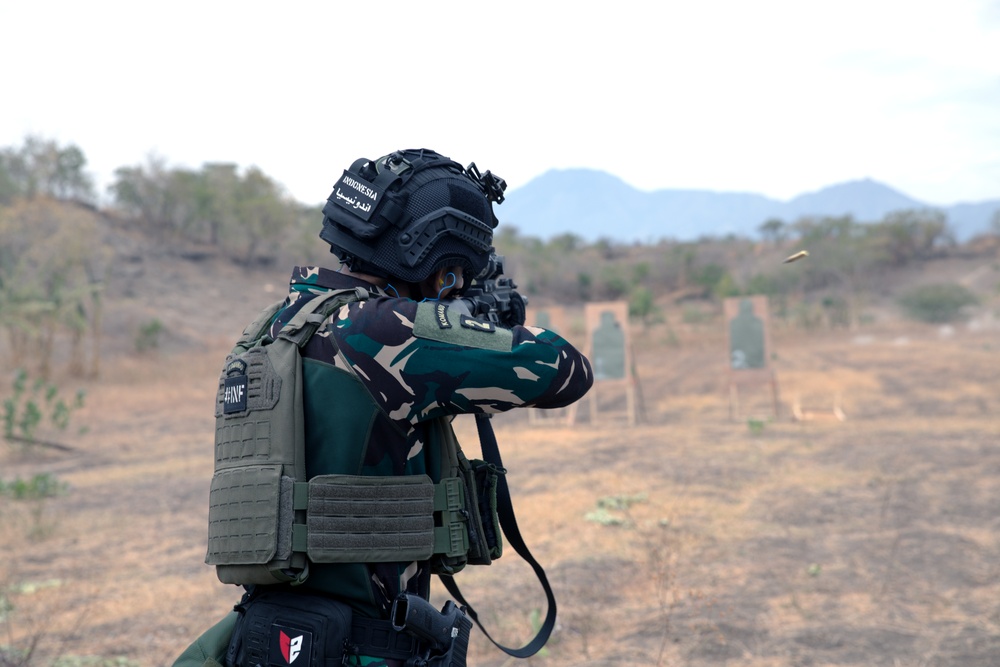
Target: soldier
column 383, row 379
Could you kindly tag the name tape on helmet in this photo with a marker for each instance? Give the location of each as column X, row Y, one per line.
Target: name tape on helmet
column 356, row 195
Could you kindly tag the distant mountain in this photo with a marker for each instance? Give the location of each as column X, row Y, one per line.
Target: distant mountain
column 866, row 200
column 594, row 204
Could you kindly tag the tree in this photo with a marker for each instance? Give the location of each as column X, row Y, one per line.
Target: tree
column 904, row 236
column 585, row 282
column 43, row 168
column 566, row 242
column 641, row 304
column 262, row 213
column 218, row 198
column 52, row 267
column 613, row 283
column 140, row 192
column 240, row 214
column 773, row 230
column 840, row 259
column 8, row 187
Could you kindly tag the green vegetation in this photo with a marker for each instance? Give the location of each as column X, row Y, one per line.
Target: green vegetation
column 34, row 493
column 55, row 258
column 756, row 426
column 53, row 269
column 52, row 262
column 941, row 302
column 34, row 405
column 614, row 510
column 43, row 485
column 55, row 265
column 642, row 304
column 831, row 288
column 42, row 168
column 148, row 336
column 243, row 215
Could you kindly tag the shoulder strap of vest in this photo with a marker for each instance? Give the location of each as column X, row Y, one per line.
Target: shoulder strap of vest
column 505, row 510
column 314, row 312
column 256, row 329
column 304, row 323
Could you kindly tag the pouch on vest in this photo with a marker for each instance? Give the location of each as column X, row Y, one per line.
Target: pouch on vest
column 463, row 512
column 259, row 448
column 482, row 481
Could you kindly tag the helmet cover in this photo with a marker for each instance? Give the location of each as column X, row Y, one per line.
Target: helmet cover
column 410, row 213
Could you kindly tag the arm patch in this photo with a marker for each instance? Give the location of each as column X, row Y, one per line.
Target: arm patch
column 435, row 321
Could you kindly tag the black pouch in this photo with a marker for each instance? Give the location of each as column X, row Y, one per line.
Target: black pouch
column 279, row 628
column 485, row 538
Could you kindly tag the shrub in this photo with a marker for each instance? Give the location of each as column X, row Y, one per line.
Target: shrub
column 148, row 337
column 32, row 405
column 40, row 486
column 641, row 304
column 942, row 302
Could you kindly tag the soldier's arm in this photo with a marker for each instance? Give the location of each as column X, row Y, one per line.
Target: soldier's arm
column 426, row 360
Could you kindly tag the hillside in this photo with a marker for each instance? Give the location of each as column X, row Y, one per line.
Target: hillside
column 751, row 541
column 594, row 204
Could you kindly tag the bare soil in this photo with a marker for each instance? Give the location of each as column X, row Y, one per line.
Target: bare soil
column 755, row 540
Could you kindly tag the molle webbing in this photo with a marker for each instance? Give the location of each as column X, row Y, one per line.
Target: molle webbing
column 243, row 441
column 259, row 447
column 358, row 519
column 266, row 523
column 254, row 524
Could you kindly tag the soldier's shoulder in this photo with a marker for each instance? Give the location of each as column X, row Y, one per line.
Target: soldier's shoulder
column 437, row 321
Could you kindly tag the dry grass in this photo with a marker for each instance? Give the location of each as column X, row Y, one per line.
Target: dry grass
column 869, row 542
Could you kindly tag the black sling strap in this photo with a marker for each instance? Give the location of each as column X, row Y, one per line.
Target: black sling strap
column 505, row 511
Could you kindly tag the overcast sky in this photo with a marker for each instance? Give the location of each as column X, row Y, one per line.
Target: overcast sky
column 770, row 96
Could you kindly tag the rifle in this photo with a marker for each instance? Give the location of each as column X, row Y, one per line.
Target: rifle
column 493, row 297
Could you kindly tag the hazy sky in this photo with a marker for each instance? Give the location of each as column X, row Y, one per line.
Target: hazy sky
column 770, row 96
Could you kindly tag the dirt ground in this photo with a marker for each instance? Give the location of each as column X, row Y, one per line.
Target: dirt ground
column 752, row 541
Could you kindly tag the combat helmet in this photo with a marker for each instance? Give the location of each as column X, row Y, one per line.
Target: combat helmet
column 409, row 213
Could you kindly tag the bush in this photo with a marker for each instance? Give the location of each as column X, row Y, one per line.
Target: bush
column 941, row 302
column 148, row 337
column 641, row 304
column 34, row 405
column 40, row 486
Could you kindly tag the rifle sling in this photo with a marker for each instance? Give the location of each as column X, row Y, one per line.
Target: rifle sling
column 505, row 510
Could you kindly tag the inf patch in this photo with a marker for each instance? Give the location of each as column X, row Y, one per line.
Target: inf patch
column 235, row 397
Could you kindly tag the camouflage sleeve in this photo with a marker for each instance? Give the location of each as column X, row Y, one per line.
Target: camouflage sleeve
column 421, row 361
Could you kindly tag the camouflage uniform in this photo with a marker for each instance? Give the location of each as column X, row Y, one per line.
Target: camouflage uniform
column 379, row 380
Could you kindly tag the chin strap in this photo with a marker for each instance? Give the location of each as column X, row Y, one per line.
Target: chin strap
column 505, row 511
